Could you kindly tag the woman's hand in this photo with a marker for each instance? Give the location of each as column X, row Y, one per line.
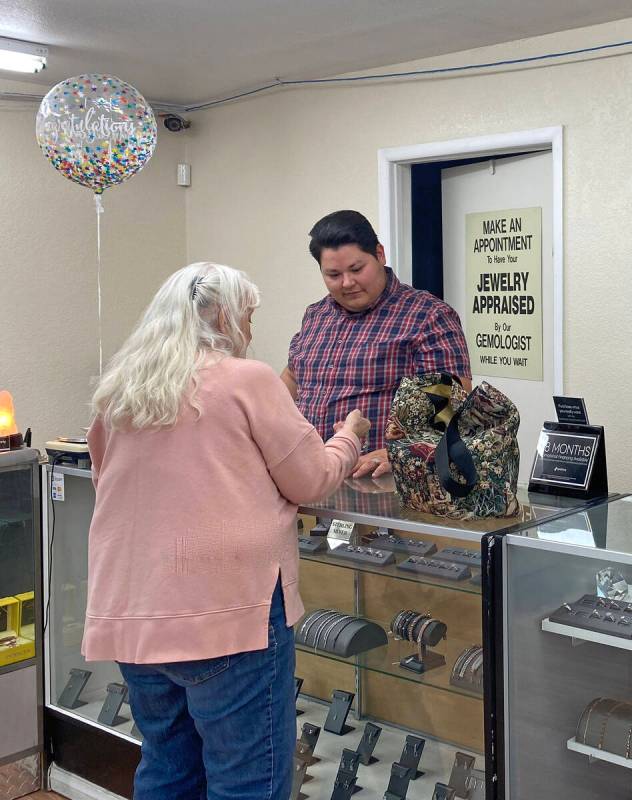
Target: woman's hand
column 355, row 423
column 374, row 464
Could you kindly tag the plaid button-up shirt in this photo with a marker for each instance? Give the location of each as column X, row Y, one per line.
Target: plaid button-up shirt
column 343, row 360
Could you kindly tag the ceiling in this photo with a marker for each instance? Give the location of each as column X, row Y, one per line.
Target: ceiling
column 190, row 51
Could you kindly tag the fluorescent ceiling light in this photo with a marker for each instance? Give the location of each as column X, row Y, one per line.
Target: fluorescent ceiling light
column 19, row 56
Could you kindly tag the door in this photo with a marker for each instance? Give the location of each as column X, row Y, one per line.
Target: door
column 518, row 182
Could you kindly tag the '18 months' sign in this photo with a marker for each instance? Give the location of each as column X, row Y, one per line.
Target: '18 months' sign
column 504, row 292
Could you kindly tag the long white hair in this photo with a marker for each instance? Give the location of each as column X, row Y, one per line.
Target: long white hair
column 199, row 311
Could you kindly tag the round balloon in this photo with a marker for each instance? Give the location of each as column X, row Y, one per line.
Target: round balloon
column 96, row 130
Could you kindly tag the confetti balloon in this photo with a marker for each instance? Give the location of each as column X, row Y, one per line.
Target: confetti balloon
column 96, row 130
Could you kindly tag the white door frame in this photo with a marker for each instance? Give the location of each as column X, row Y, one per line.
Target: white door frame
column 394, row 182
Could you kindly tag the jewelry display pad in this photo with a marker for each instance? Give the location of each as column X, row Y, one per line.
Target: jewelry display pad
column 398, row 782
column 400, row 544
column 459, row 555
column 311, row 544
column 598, row 614
column 436, row 569
column 367, row 744
column 364, row 555
column 411, row 755
column 69, row 698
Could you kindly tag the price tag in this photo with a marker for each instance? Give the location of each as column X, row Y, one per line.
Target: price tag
column 57, row 487
column 341, row 530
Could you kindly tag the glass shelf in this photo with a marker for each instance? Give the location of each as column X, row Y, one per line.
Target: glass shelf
column 390, row 571
column 385, row 660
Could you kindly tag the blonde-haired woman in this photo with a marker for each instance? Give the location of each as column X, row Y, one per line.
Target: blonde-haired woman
column 200, row 458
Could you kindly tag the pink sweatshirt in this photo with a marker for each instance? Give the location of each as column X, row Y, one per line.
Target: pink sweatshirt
column 192, row 525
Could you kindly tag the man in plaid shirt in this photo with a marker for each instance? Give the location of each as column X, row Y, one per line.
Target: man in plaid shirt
column 370, row 331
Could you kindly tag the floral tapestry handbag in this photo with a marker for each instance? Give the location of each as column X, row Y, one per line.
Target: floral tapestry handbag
column 454, row 454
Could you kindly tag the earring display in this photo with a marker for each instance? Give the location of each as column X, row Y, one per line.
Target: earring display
column 367, row 744
column 70, row 696
column 398, row 782
column 364, row 555
column 443, row 792
column 599, row 614
column 459, row 555
column 475, row 785
column 309, row 737
column 411, row 755
column 298, row 778
column 461, row 769
column 436, row 569
column 114, row 699
column 423, row 630
column 383, row 539
column 467, row 672
column 339, row 634
column 338, row 712
column 607, row 725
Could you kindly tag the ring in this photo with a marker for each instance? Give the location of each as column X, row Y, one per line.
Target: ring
column 376, row 461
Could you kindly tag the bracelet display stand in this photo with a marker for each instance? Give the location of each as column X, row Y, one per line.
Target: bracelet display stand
column 365, row 555
column 467, row 671
column 436, row 569
column 424, row 630
column 309, row 736
column 422, row 662
column 338, row 713
column 114, row 699
column 443, row 792
column 398, row 782
column 459, row 555
column 346, row 776
column 399, row 544
column 340, row 634
column 461, row 770
column 367, row 744
column 311, row 544
column 411, row 755
column 598, row 614
column 69, row 698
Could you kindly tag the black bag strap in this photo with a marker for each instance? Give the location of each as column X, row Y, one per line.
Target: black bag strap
column 451, row 448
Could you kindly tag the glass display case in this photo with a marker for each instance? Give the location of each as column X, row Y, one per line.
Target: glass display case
column 414, row 666
column 567, row 602
column 20, row 623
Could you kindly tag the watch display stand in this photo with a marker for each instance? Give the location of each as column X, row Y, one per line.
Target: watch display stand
column 411, row 755
column 338, row 713
column 69, row 698
column 309, row 736
column 114, row 699
column 367, row 744
column 398, row 782
column 339, row 634
column 443, row 792
column 461, row 770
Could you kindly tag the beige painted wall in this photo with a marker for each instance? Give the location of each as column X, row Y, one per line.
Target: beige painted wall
column 48, row 320
column 265, row 169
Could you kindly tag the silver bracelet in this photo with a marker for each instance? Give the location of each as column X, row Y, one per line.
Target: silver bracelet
column 340, row 619
column 322, row 622
column 312, row 619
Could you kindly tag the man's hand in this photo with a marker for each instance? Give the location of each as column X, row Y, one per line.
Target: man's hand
column 374, row 464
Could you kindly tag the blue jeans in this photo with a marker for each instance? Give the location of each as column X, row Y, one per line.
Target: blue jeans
column 218, row 728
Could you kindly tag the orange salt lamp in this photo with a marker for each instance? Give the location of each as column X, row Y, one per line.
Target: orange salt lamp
column 10, row 438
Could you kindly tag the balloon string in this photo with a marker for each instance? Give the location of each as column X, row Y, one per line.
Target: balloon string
column 99, row 209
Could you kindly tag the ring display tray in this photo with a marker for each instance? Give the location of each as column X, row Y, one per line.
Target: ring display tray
column 459, row 555
column 311, row 544
column 598, row 615
column 365, row 555
column 400, row 544
column 436, row 569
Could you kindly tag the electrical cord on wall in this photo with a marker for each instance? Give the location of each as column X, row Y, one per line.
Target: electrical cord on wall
column 51, row 540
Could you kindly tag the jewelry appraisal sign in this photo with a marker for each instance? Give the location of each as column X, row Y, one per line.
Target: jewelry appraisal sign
column 503, row 284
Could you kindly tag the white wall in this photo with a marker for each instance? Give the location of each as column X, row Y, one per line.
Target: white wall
column 265, row 169
column 48, row 320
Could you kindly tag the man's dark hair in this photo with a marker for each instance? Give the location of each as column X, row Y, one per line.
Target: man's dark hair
column 340, row 228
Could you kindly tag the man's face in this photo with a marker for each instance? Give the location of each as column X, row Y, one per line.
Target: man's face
column 355, row 279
